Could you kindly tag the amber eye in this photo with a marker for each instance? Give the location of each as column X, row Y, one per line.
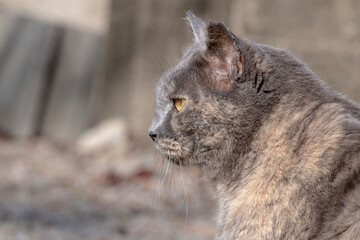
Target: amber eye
column 179, row 103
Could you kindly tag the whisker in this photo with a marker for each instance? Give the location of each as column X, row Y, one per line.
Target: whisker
column 172, row 188
column 162, row 182
column 169, row 177
column 187, row 197
column 198, row 192
column 160, row 172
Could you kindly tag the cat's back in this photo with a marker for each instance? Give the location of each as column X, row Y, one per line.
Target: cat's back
column 345, row 222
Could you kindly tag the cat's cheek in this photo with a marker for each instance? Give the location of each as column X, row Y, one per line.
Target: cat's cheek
column 176, row 124
column 180, row 123
column 183, row 138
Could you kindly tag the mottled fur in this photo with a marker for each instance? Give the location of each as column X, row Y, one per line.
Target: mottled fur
column 280, row 146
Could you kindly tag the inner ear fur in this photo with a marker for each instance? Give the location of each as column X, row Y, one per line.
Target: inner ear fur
column 225, row 60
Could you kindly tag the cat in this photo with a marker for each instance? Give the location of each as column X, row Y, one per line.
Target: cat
column 281, row 148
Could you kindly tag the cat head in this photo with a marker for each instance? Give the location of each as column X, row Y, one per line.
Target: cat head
column 209, row 105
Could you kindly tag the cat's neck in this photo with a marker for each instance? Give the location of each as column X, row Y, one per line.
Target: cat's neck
column 285, row 146
column 285, row 159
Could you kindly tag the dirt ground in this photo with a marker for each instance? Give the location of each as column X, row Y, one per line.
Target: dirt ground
column 50, row 192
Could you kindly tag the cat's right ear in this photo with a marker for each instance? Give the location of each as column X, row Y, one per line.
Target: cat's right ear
column 198, row 27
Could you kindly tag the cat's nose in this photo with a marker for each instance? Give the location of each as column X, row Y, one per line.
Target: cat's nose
column 153, row 136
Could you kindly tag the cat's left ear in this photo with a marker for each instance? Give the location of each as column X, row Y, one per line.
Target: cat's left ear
column 225, row 59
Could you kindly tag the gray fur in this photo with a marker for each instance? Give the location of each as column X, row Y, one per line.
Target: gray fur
column 280, row 146
column 198, row 27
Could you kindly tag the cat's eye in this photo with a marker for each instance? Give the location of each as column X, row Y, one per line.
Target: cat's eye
column 179, row 103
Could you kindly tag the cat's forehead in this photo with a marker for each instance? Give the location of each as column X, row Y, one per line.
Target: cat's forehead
column 179, row 75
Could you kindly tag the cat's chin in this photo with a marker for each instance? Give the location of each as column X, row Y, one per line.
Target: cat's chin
column 178, row 161
column 175, row 159
column 172, row 156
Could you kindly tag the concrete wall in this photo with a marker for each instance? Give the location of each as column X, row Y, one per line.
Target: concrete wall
column 50, row 61
column 88, row 14
column 325, row 34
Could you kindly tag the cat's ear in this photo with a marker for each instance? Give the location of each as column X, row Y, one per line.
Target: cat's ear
column 198, row 27
column 225, row 59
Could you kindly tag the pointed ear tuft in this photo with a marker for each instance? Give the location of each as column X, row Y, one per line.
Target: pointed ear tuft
column 198, row 27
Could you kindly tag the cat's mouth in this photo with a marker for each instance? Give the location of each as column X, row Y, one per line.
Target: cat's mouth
column 171, row 150
column 169, row 147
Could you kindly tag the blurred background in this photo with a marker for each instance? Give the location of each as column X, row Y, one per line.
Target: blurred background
column 77, row 81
